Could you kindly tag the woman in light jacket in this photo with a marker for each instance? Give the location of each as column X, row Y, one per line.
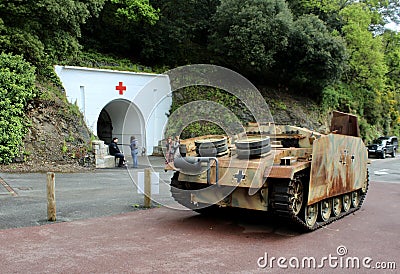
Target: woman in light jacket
column 134, row 151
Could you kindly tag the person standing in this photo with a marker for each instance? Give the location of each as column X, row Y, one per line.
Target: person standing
column 175, row 147
column 169, row 150
column 134, row 151
column 114, row 151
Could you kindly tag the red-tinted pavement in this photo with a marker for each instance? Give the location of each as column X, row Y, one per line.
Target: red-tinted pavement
column 172, row 241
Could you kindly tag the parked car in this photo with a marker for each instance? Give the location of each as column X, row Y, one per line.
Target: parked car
column 383, row 146
column 393, row 140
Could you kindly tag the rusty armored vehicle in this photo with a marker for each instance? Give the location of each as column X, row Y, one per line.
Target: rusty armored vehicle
column 309, row 178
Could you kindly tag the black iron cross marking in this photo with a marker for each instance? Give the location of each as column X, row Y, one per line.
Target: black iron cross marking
column 343, row 157
column 240, row 176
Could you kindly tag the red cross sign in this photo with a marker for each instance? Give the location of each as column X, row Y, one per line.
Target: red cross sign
column 120, row 88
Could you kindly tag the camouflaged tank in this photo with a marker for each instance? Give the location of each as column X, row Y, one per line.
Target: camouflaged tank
column 309, row 178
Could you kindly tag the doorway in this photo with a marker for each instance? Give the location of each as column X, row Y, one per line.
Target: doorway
column 104, row 127
column 122, row 119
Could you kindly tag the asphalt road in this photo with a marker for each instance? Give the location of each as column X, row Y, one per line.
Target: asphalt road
column 124, row 239
column 78, row 195
column 385, row 170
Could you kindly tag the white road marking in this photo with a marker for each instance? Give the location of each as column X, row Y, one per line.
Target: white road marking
column 381, row 172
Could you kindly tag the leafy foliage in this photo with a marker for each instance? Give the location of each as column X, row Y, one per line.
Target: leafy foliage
column 392, row 92
column 391, row 41
column 248, row 34
column 314, row 57
column 17, row 88
column 103, row 61
column 366, row 65
column 120, row 28
column 45, row 30
column 136, row 10
column 181, row 35
column 199, row 128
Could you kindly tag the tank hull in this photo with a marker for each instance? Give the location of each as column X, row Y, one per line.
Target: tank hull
column 339, row 166
column 303, row 177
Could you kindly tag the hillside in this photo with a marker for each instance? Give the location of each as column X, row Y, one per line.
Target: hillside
column 290, row 109
column 57, row 139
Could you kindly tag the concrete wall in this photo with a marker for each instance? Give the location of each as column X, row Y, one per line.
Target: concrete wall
column 140, row 110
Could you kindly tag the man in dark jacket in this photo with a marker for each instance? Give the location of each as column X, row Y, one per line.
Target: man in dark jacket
column 114, row 151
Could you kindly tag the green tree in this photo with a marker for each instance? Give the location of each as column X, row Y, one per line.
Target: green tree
column 367, row 68
column 136, row 10
column 326, row 10
column 382, row 12
column 314, row 57
column 44, row 30
column 17, row 88
column 248, row 34
column 120, row 28
column 392, row 58
column 180, row 37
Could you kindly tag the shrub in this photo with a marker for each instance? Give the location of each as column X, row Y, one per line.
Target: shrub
column 17, row 88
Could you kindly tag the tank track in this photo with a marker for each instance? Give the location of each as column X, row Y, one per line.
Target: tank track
column 178, row 193
column 281, row 191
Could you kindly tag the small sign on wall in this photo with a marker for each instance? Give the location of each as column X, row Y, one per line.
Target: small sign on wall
column 155, row 183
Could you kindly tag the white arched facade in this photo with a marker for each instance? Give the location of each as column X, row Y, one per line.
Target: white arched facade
column 133, row 103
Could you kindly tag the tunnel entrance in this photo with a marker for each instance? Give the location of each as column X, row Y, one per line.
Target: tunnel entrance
column 122, row 119
column 104, row 127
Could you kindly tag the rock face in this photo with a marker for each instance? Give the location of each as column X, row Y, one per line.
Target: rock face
column 57, row 140
column 291, row 109
column 297, row 110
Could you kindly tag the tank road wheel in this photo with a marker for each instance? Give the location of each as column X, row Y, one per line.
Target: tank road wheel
column 297, row 196
column 355, row 198
column 346, row 202
column 325, row 209
column 311, row 214
column 336, row 206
